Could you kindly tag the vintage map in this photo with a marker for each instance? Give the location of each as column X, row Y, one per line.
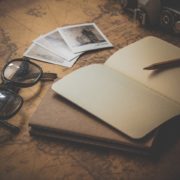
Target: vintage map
column 23, row 157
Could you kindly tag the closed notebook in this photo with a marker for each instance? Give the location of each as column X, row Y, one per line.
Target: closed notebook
column 58, row 118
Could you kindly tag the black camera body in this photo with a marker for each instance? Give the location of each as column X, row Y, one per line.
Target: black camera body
column 165, row 13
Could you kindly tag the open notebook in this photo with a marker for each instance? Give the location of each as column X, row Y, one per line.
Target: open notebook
column 123, row 95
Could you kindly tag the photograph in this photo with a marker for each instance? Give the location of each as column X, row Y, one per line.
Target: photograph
column 39, row 53
column 54, row 43
column 84, row 37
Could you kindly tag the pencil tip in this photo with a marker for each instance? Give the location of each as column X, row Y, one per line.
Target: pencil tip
column 147, row 68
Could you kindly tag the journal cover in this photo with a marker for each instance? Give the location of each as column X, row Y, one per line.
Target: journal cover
column 58, row 118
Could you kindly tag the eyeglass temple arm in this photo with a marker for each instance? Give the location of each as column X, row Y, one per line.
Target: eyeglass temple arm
column 10, row 127
column 48, row 76
column 44, row 77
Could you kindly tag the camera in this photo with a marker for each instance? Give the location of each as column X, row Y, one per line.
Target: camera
column 165, row 13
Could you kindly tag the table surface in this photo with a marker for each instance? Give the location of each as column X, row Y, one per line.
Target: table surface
column 24, row 157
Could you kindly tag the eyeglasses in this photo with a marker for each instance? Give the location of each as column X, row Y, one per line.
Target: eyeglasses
column 17, row 74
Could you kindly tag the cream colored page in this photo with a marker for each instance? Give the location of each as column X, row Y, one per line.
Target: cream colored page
column 132, row 59
column 116, row 99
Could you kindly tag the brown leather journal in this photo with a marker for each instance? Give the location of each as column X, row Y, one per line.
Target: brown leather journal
column 58, row 118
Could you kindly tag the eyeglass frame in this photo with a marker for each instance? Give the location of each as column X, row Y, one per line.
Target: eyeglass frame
column 17, row 86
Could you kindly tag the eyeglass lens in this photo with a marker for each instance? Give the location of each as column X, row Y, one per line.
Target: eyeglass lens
column 22, row 72
column 9, row 103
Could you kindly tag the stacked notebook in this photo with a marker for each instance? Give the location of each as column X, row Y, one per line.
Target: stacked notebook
column 116, row 105
column 58, row 118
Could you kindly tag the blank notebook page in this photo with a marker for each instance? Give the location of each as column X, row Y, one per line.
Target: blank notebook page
column 116, row 99
column 131, row 60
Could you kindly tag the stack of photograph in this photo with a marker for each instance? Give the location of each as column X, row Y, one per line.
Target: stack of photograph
column 63, row 46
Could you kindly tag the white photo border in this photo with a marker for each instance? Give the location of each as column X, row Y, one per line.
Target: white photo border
column 89, row 46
